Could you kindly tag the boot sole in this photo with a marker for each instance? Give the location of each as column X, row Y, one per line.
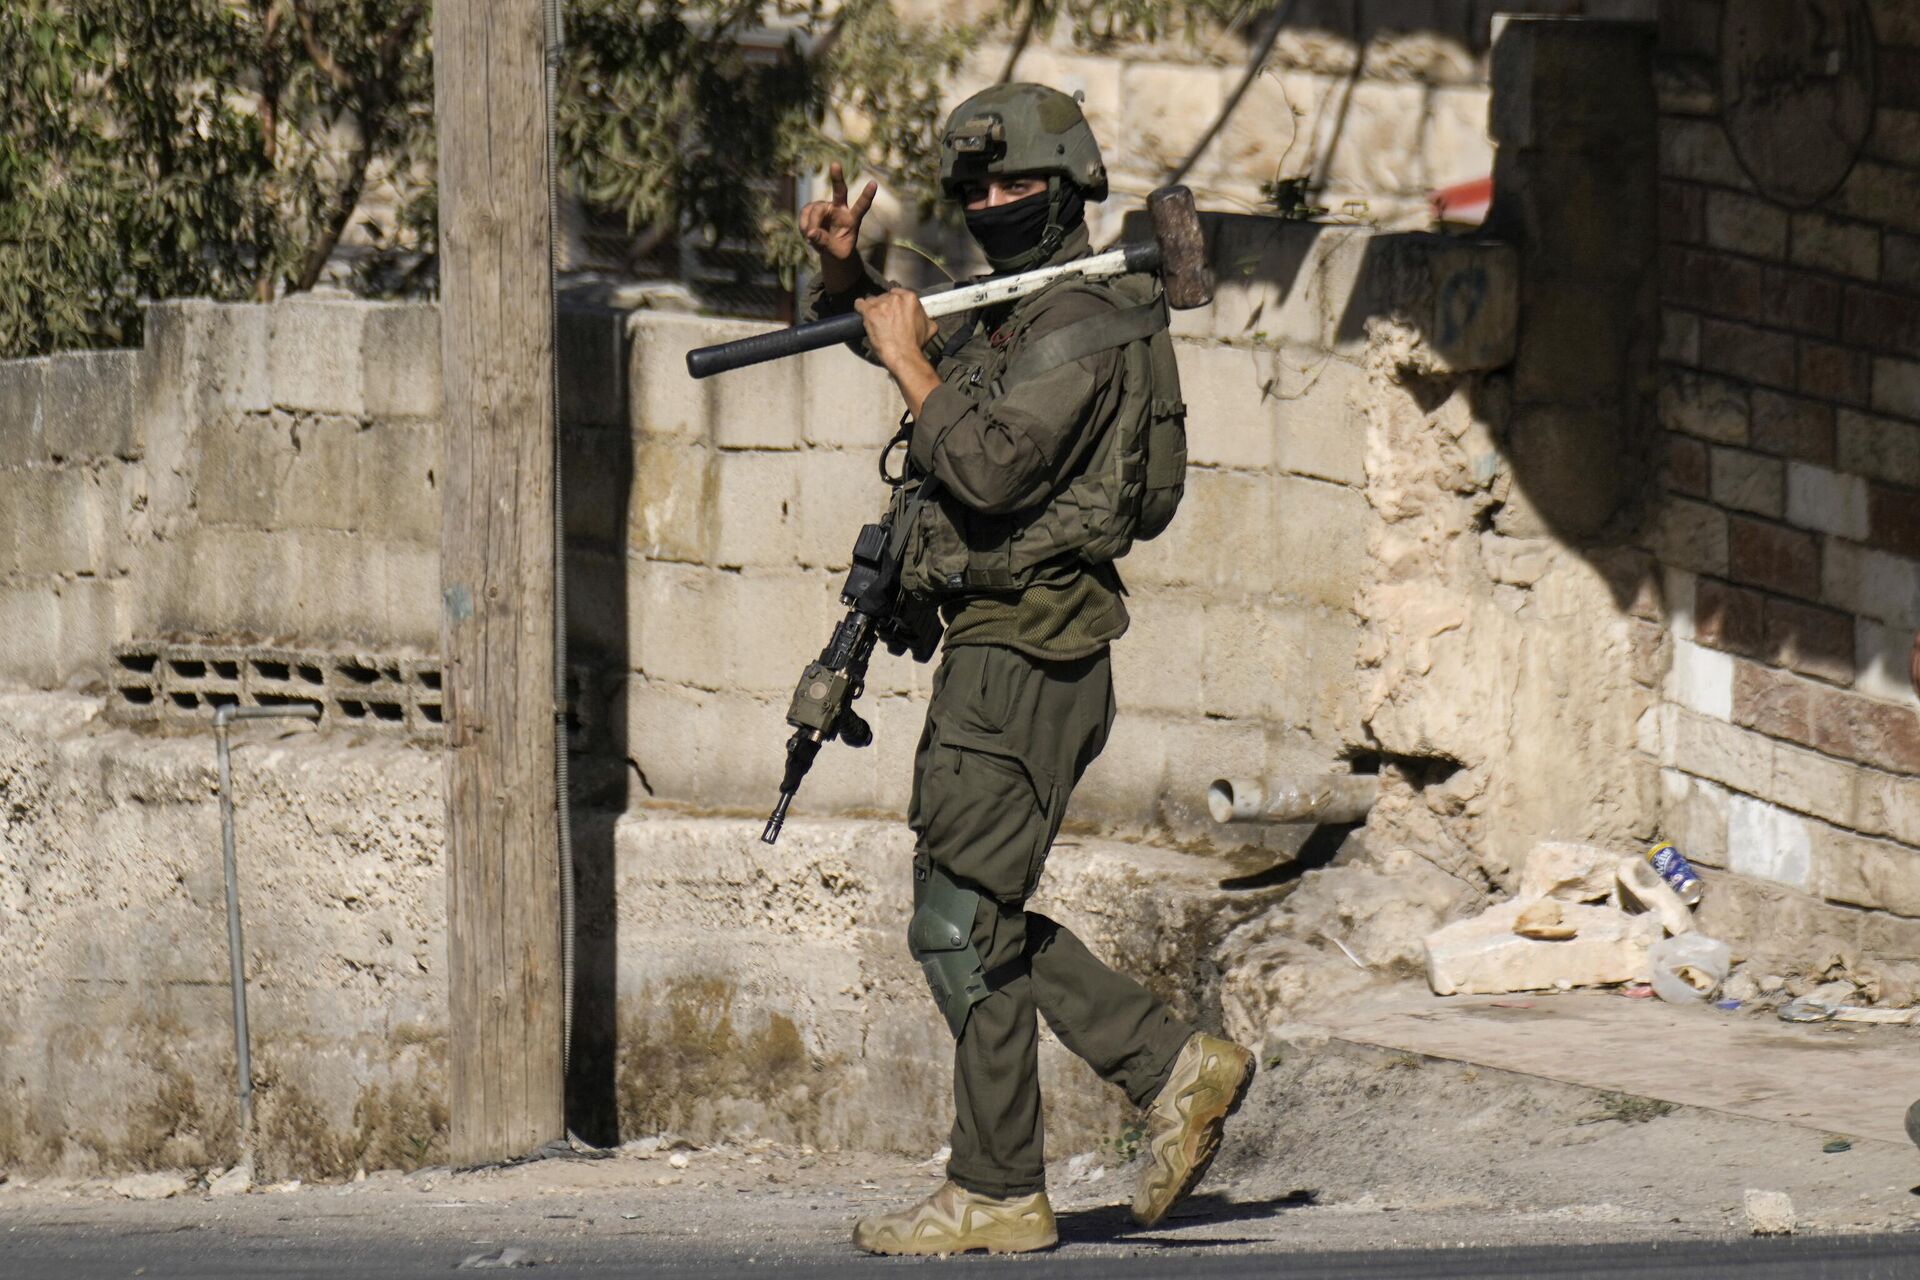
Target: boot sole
column 954, row 1253
column 1204, row 1141
column 1036, row 1247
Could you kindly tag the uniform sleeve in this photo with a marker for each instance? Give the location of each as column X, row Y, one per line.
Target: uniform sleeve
column 1012, row 452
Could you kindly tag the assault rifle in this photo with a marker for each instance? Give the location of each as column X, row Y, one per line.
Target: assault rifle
column 822, row 707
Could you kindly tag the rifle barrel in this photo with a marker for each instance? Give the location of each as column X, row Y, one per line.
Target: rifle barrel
column 779, row 819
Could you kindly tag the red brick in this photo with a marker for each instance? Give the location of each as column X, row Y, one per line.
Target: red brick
column 1893, row 519
column 1686, row 470
column 1770, row 702
column 1883, row 734
column 1801, row 301
column 1882, row 320
column 1887, row 734
column 1835, row 373
column 1811, row 640
column 1729, row 617
column 1683, row 212
column 1836, row 721
column 1764, row 554
column 1758, row 355
column 1800, row 429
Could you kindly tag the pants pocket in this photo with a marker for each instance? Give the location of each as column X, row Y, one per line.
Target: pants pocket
column 987, row 812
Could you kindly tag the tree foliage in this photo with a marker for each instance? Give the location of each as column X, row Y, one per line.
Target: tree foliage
column 167, row 148
column 227, row 148
column 681, row 114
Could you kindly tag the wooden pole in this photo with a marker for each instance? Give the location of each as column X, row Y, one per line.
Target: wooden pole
column 497, row 581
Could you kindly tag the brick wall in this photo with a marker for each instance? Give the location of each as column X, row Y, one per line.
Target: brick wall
column 1789, row 529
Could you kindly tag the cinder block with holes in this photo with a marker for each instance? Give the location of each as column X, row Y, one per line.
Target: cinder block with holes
column 184, row 683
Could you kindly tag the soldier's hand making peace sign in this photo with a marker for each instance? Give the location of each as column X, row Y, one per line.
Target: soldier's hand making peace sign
column 832, row 228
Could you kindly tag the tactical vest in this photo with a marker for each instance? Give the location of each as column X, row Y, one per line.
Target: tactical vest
column 1123, row 488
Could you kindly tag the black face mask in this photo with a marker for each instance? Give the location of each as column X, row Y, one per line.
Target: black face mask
column 1005, row 232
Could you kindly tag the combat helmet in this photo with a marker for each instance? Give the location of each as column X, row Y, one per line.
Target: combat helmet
column 1020, row 128
column 1013, row 129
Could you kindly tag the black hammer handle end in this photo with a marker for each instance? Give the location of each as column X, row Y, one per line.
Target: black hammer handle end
column 704, row 362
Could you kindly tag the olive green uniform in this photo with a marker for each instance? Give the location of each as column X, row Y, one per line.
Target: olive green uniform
column 1022, row 704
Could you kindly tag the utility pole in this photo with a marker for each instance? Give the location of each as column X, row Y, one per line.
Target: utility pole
column 506, row 1094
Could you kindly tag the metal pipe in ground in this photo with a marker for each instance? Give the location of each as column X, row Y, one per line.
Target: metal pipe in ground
column 1298, row 797
column 236, row 948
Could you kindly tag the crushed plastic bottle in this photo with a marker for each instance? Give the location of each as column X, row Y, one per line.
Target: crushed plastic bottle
column 1689, row 967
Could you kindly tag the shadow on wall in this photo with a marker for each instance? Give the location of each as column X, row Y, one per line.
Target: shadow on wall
column 1568, row 402
column 597, row 467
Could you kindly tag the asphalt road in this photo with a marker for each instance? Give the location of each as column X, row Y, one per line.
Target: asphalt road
column 200, row 1253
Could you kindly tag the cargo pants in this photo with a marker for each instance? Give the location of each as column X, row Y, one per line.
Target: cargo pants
column 1007, row 738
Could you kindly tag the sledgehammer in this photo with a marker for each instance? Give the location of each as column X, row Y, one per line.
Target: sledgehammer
column 1177, row 253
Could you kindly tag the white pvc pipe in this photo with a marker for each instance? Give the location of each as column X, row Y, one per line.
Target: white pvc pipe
column 1310, row 797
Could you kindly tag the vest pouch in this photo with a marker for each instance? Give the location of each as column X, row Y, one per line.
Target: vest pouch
column 1126, row 488
column 935, row 555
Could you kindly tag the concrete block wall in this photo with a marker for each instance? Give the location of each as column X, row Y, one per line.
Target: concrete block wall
column 116, row 1036
column 72, row 445
column 1790, row 476
column 253, row 474
column 314, row 440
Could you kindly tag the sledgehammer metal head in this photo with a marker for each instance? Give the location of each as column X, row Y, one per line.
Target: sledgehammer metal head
column 1177, row 253
column 1183, row 250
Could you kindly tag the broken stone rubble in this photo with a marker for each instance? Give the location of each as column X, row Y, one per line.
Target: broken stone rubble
column 1552, row 936
column 1769, row 1213
column 1484, row 956
column 1568, row 871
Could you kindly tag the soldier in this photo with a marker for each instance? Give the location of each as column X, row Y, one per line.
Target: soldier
column 1010, row 536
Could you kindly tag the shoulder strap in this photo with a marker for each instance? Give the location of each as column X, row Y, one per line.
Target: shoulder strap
column 1088, row 337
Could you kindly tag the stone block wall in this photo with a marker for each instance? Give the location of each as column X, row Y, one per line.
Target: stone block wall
column 1379, row 102
column 1789, row 402
column 282, row 498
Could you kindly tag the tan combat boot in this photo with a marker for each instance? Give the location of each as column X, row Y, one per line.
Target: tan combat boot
column 1207, row 1082
column 955, row 1220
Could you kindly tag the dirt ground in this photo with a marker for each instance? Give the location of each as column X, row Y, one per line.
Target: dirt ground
column 1338, row 1147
